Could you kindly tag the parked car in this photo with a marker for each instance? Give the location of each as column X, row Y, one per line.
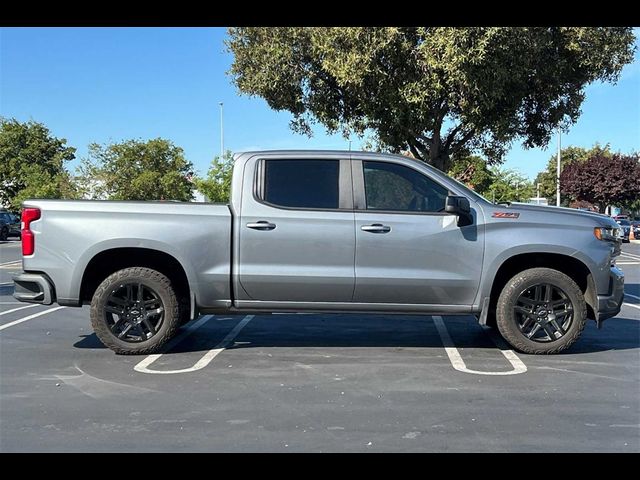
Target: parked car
column 626, row 228
column 635, row 225
column 323, row 231
column 9, row 225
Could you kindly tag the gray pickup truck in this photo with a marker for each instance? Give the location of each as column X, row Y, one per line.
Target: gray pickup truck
column 324, row 231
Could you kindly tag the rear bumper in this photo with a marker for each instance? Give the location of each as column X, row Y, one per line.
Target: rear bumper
column 33, row 288
column 610, row 305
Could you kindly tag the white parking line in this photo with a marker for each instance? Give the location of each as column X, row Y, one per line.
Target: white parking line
column 630, row 255
column 458, row 363
column 16, row 309
column 11, row 261
column 16, row 263
column 627, row 263
column 11, row 324
column 206, row 358
column 632, row 305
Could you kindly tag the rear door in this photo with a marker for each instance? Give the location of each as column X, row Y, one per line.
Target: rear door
column 408, row 250
column 296, row 230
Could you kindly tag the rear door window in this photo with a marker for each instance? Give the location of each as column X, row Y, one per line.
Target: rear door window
column 302, row 183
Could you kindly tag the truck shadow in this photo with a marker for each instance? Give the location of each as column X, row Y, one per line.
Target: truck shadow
column 377, row 331
column 633, row 289
column 6, row 289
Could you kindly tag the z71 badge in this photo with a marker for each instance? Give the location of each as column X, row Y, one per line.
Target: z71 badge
column 505, row 215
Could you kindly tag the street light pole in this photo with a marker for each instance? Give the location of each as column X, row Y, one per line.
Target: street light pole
column 538, row 196
column 558, row 172
column 221, row 133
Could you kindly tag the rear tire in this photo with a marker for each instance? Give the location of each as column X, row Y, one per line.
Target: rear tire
column 541, row 311
column 4, row 234
column 135, row 311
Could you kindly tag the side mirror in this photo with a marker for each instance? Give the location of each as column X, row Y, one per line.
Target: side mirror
column 457, row 205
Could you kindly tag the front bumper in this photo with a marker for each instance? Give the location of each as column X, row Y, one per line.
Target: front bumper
column 33, row 288
column 610, row 305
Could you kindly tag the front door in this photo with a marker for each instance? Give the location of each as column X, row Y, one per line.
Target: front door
column 297, row 240
column 408, row 250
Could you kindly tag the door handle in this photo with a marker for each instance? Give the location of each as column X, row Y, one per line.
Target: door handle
column 262, row 225
column 376, row 228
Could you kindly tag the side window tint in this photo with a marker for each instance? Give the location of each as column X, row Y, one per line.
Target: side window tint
column 302, row 183
column 389, row 186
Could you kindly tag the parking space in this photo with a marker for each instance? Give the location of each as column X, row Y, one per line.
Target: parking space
column 315, row 383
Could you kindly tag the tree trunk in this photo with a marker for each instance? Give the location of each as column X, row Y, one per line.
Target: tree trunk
column 602, row 208
column 433, row 154
column 439, row 154
column 441, row 161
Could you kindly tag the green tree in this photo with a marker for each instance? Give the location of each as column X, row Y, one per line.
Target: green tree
column 509, row 186
column 32, row 163
column 137, row 170
column 436, row 91
column 568, row 155
column 217, row 184
column 473, row 172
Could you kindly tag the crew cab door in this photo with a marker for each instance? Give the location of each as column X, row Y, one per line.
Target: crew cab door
column 296, row 231
column 408, row 250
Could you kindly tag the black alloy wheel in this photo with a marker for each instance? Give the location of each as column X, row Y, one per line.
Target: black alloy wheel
column 134, row 312
column 543, row 313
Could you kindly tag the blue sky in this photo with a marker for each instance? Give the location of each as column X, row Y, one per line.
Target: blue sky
column 103, row 84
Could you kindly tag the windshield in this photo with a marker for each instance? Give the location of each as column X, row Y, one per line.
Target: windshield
column 623, row 222
column 466, row 189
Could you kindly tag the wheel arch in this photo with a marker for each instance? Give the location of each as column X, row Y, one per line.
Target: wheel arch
column 571, row 266
column 110, row 260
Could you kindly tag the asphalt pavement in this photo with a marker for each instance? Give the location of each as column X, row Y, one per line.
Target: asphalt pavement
column 315, row 383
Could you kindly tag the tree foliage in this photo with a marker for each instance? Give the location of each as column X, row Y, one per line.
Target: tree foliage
column 439, row 92
column 568, row 155
column 473, row 172
column 603, row 180
column 509, row 186
column 217, row 184
column 494, row 183
column 32, row 163
column 137, row 170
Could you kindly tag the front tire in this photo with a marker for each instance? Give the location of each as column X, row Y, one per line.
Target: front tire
column 185, row 311
column 4, row 234
column 135, row 311
column 541, row 311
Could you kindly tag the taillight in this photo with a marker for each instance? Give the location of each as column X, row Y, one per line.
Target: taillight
column 28, row 239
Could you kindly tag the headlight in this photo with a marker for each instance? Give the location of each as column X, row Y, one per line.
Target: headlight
column 608, row 234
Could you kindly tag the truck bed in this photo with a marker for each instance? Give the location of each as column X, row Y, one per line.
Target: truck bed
column 70, row 233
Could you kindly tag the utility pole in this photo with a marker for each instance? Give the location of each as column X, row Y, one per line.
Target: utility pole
column 221, row 133
column 349, row 144
column 538, row 196
column 558, row 172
